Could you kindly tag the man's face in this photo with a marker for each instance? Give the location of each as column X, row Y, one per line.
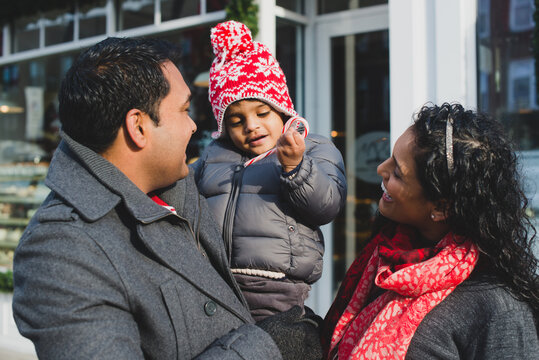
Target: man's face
column 169, row 139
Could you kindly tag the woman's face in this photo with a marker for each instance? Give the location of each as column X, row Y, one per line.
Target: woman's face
column 403, row 200
column 253, row 126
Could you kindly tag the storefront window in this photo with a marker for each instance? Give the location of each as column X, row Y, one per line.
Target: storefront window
column 360, row 123
column 135, row 13
column 329, row 6
column 215, row 5
column 196, row 60
column 506, row 76
column 292, row 5
column 58, row 26
column 289, row 54
column 29, row 127
column 93, row 19
column 507, row 86
column 25, row 34
column 175, row 9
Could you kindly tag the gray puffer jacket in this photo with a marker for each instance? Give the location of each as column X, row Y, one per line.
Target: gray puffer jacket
column 272, row 222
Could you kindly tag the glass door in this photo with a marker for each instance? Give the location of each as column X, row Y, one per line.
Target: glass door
column 353, row 93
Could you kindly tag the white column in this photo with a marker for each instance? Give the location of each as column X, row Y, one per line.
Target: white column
column 6, row 40
column 111, row 18
column 456, row 79
column 266, row 24
column 432, row 56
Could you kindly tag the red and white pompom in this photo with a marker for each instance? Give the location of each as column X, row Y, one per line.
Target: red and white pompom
column 229, row 39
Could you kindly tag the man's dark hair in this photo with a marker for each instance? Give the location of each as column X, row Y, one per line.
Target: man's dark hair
column 109, row 79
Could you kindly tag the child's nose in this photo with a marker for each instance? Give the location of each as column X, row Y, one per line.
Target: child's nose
column 251, row 124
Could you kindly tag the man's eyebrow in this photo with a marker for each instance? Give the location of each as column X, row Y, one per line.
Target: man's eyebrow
column 189, row 98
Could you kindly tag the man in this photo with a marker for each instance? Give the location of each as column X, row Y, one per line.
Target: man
column 123, row 261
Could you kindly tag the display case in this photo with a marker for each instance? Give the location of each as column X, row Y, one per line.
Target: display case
column 22, row 190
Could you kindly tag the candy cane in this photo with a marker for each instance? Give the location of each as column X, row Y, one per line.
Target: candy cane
column 302, row 126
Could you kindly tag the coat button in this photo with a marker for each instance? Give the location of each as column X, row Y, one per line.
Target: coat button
column 291, row 228
column 210, row 308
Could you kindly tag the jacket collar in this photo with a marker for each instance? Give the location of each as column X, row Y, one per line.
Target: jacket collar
column 94, row 186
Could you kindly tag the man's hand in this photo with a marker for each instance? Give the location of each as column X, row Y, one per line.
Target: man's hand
column 290, row 148
column 296, row 337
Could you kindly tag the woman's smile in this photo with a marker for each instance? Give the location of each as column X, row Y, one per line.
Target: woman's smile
column 385, row 195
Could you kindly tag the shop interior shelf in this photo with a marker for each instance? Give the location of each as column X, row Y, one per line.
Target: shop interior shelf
column 14, row 222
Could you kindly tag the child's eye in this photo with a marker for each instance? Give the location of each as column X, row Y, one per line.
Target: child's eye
column 234, row 123
column 264, row 114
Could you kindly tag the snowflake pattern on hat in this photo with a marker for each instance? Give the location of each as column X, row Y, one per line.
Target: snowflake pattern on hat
column 244, row 69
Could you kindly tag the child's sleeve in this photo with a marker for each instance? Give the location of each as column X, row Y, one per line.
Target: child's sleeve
column 316, row 189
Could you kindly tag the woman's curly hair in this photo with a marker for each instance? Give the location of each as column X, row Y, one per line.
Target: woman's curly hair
column 482, row 195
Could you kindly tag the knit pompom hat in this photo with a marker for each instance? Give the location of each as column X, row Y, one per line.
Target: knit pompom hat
column 244, row 69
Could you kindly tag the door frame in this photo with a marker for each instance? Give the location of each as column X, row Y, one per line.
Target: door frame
column 318, row 105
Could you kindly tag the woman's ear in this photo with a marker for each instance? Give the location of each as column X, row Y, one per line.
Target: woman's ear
column 135, row 125
column 440, row 211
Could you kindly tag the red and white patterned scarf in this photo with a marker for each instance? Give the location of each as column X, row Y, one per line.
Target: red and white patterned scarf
column 383, row 328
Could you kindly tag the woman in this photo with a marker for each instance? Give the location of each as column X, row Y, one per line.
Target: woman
column 451, row 272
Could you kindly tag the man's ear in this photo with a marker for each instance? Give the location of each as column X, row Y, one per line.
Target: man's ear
column 135, row 125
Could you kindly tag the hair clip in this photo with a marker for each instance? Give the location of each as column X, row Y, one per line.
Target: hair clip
column 449, row 144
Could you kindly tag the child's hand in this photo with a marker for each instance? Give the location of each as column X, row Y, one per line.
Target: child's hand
column 290, row 149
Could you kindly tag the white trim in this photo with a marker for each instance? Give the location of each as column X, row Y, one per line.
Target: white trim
column 176, row 24
column 76, row 22
column 6, row 40
column 111, row 18
column 203, row 7
column 291, row 15
column 266, row 24
column 432, row 56
column 157, row 12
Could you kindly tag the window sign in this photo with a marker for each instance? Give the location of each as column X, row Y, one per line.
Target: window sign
column 34, row 112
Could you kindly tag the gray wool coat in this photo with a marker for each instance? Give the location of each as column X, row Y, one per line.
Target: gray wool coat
column 277, row 219
column 102, row 272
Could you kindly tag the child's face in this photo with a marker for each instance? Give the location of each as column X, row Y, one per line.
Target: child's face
column 253, row 126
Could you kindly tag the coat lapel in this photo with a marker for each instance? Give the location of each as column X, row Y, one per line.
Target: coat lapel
column 166, row 241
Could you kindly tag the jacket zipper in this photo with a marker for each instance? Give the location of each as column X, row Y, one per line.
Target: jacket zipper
column 228, row 223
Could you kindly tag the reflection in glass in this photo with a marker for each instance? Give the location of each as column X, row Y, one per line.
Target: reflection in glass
column 506, row 74
column 196, row 59
column 329, row 6
column 360, row 123
column 93, row 19
column 290, row 57
column 215, row 5
column 25, row 34
column 58, row 26
column 292, row 5
column 135, row 13
column 175, row 9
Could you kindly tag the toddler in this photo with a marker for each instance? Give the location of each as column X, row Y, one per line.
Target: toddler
column 268, row 184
